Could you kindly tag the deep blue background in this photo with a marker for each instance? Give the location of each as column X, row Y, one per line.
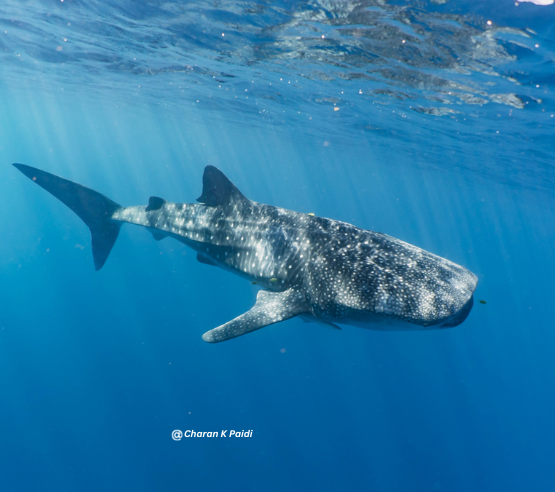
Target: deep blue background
column 98, row 368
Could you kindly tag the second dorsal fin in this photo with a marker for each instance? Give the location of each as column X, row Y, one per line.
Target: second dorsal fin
column 154, row 203
column 218, row 190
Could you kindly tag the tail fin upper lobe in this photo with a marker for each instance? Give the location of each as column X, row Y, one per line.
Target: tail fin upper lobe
column 95, row 209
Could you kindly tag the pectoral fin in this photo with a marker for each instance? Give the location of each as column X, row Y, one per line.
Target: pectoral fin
column 270, row 308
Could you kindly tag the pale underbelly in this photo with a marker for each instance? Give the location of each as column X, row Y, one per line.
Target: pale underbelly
column 380, row 322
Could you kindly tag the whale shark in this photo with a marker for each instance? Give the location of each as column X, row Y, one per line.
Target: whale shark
column 322, row 270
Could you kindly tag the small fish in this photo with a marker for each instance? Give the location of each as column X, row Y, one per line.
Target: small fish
column 311, row 214
column 273, row 280
column 481, row 301
column 254, row 283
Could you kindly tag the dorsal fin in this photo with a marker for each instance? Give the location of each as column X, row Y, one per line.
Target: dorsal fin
column 154, row 203
column 218, row 190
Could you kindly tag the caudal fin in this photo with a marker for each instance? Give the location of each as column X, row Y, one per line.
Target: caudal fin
column 95, row 209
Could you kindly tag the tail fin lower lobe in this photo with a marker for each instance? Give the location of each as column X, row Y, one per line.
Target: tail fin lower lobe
column 95, row 209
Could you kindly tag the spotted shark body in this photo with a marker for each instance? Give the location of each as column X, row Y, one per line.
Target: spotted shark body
column 323, row 270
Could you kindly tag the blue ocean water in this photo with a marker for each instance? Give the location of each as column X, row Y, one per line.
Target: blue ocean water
column 431, row 121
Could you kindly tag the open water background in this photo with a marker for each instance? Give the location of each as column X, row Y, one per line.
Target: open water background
column 418, row 119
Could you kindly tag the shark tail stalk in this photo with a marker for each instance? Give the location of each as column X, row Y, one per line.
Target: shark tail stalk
column 92, row 207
